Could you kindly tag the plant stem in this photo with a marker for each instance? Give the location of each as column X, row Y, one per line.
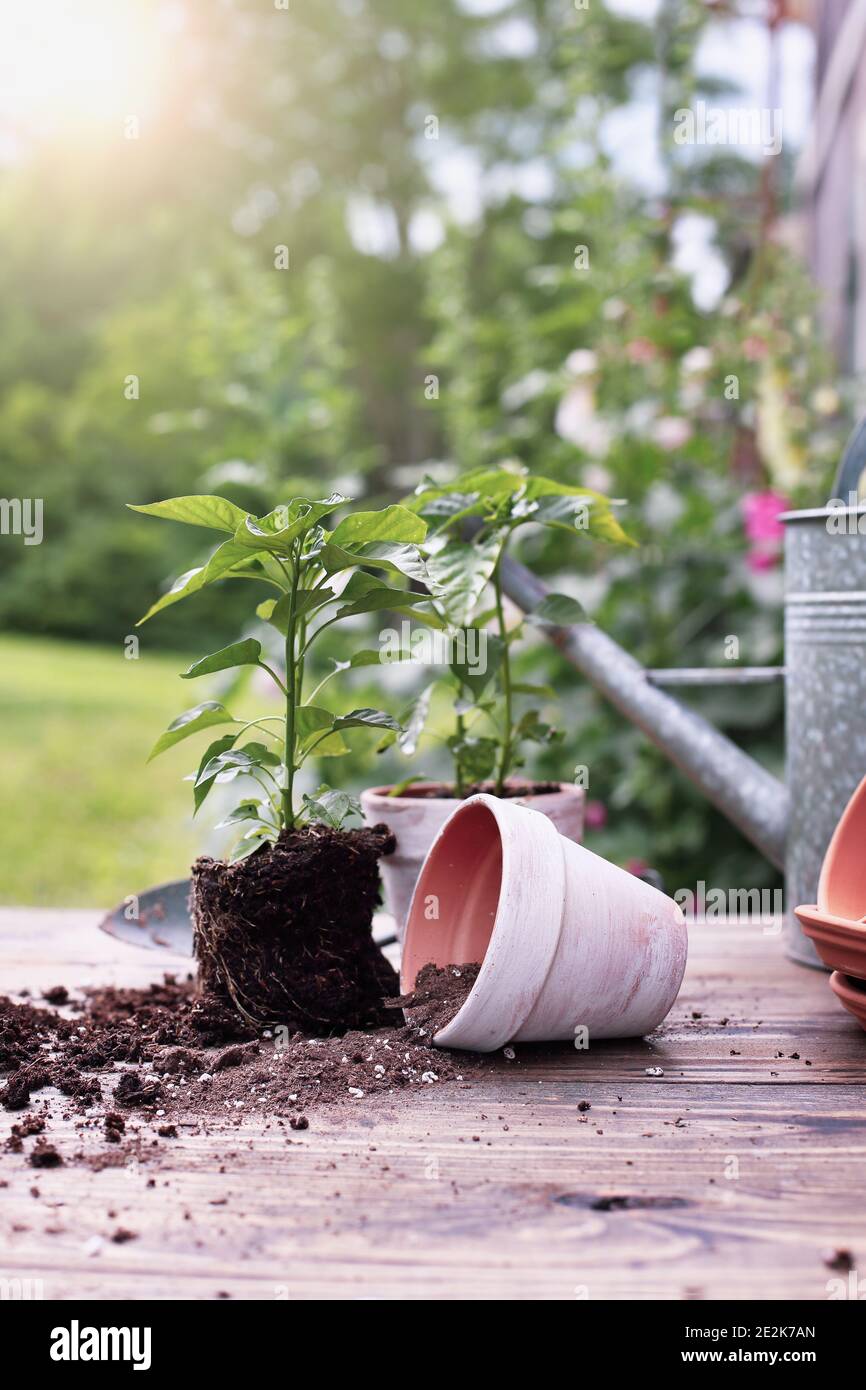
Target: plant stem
column 459, row 789
column 505, row 750
column 273, row 675
column 291, row 700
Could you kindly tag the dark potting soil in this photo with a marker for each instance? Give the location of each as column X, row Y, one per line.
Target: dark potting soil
column 438, row 790
column 184, row 1057
column 438, row 994
column 284, row 935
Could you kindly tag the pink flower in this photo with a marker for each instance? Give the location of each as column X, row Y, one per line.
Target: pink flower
column 754, row 348
column 595, row 815
column 641, row 350
column 671, row 432
column 637, row 866
column 761, row 511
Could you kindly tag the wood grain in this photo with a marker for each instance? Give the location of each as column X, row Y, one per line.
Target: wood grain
column 730, row 1176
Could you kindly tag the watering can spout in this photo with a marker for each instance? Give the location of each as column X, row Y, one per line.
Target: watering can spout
column 750, row 796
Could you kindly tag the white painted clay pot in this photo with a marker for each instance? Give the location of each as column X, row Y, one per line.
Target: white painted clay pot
column 416, row 819
column 566, row 940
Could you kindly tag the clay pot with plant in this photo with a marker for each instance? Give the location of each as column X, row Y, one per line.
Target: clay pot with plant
column 282, row 929
column 471, row 524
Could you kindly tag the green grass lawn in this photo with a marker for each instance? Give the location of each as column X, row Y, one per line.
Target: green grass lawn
column 84, row 821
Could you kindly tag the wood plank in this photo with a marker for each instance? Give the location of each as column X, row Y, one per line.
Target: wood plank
column 751, row 1164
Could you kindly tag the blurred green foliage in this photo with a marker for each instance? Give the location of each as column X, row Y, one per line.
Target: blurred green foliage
column 533, row 309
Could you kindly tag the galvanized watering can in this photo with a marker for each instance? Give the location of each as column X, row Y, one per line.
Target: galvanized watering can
column 825, row 686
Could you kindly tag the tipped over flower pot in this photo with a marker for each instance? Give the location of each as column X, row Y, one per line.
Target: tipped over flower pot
column 566, row 940
column 418, row 814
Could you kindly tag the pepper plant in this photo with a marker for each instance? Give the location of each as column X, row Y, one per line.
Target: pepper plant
column 471, row 523
column 315, row 577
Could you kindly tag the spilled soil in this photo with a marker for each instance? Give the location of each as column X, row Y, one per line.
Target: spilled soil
column 169, row 1056
column 284, row 935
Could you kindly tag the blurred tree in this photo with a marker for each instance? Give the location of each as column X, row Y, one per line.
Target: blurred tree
column 359, row 240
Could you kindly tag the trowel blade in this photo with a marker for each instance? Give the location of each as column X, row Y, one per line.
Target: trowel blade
column 158, row 918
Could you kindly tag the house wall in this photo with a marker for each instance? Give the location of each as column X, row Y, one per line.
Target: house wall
column 836, row 197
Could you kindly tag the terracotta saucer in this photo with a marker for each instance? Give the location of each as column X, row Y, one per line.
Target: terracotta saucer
column 840, row 942
column 851, row 995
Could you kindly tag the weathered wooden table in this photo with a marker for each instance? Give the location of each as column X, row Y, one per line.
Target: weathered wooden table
column 731, row 1176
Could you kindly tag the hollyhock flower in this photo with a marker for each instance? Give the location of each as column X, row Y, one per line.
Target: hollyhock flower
column 764, row 530
column 641, row 351
column 784, row 458
column 697, row 361
column 581, row 362
column 825, row 400
column 613, row 309
column 754, row 348
column 577, row 421
column 671, row 432
column 595, row 815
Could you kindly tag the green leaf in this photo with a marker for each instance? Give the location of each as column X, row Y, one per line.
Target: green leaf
column 476, row 757
column 479, row 660
column 367, row 657
column 477, row 493
column 382, row 555
column 557, row 610
column 246, row 811
column 278, row 531
column 238, row 760
column 217, row 513
column 407, row 740
column 203, row 785
column 250, row 842
column 364, row 594
column 306, row 601
column 503, row 497
column 192, row 721
column 330, row 807
column 311, row 721
column 545, row 692
column 400, row 787
column 262, row 755
column 575, row 509
column 366, row 719
column 531, row 727
column 460, row 572
column 394, row 523
column 246, row 653
column 222, row 561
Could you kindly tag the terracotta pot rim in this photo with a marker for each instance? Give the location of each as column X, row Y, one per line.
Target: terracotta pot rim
column 844, row 985
column 563, row 789
column 482, row 1001
column 811, row 916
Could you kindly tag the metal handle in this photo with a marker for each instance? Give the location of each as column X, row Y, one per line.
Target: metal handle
column 716, row 675
column 852, row 465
